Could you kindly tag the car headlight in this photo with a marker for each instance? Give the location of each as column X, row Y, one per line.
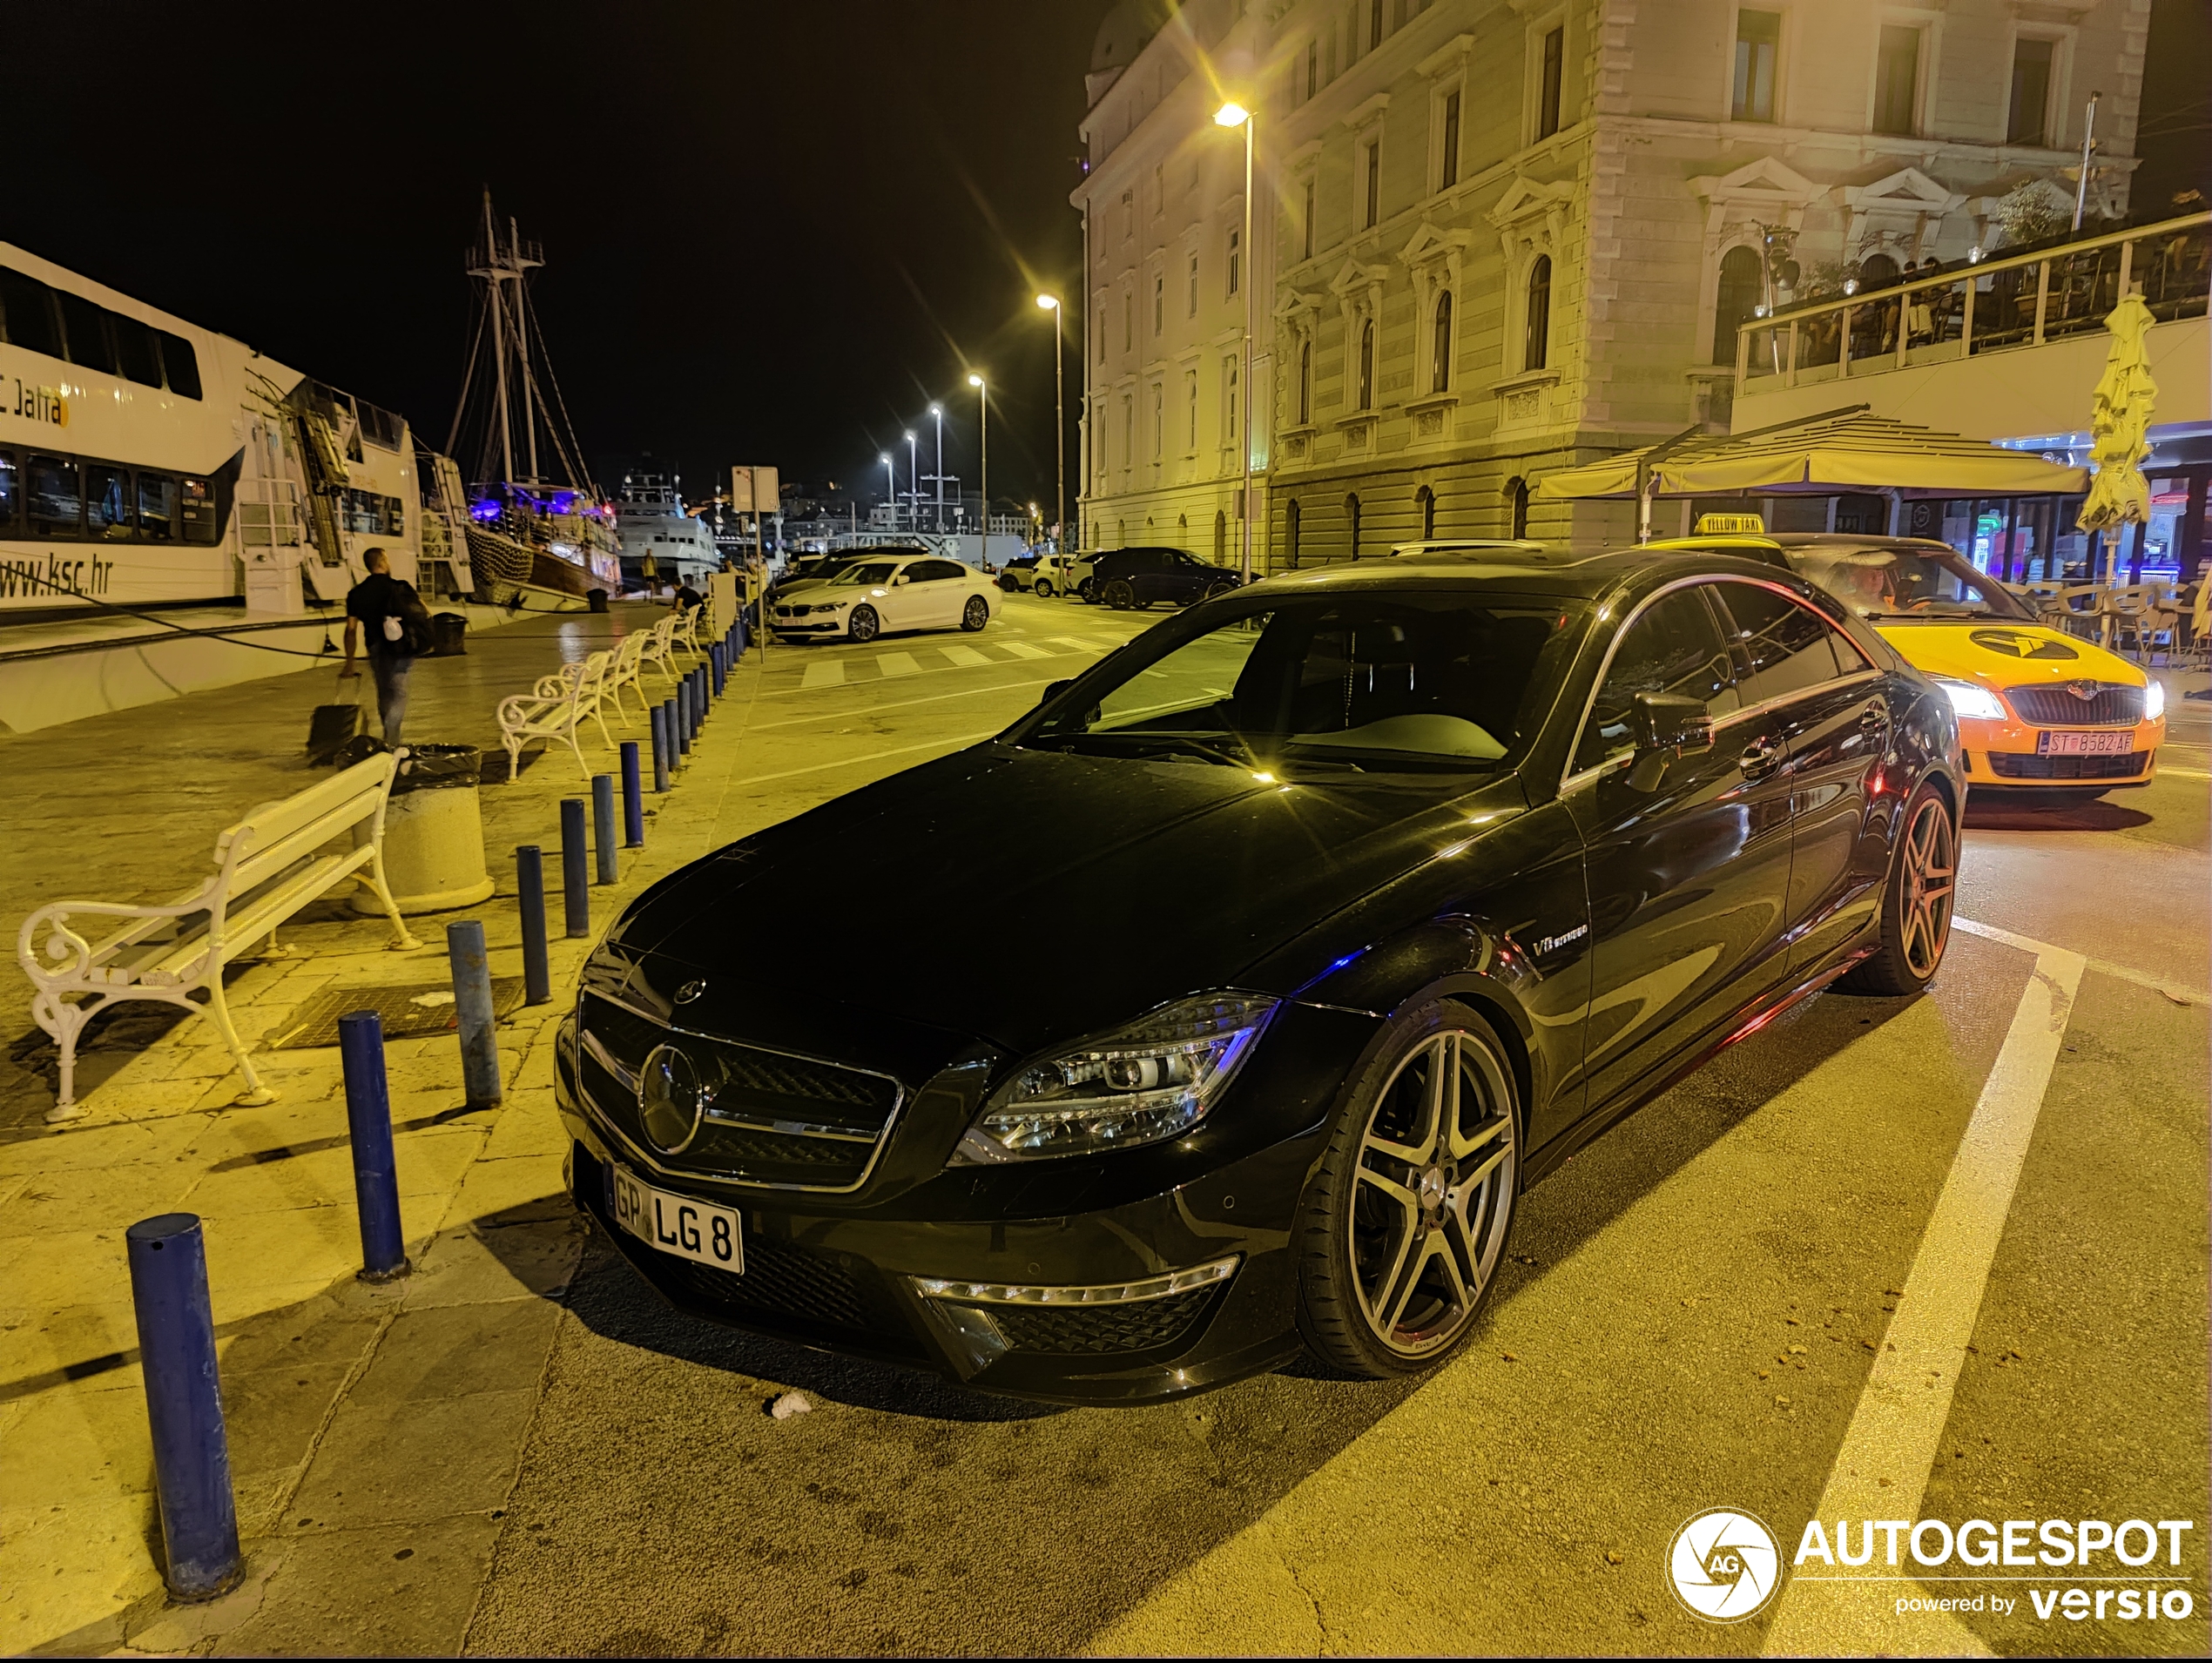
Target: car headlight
column 2154, row 701
column 1152, row 1079
column 1969, row 698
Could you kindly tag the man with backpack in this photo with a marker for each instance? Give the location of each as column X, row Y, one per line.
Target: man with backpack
column 397, row 626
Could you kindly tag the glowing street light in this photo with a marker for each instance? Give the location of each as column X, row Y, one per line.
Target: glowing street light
column 1233, row 114
column 983, row 458
column 937, row 411
column 1051, row 303
column 913, row 479
column 891, row 484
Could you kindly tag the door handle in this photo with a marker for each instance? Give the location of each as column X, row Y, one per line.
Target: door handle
column 1760, row 758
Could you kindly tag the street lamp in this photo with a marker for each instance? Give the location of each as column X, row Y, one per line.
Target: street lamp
column 913, row 479
column 938, row 411
column 983, row 456
column 1233, row 114
column 891, row 484
column 1051, row 303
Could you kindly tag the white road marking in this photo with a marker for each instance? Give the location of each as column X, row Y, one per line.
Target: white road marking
column 897, row 663
column 1881, row 1471
column 899, row 704
column 966, row 657
column 1086, row 643
column 2103, row 966
column 953, row 744
column 824, row 672
column 1024, row 649
column 2182, row 773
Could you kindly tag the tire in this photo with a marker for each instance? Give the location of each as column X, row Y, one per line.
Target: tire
column 1401, row 1232
column 1915, row 914
column 1087, row 591
column 975, row 614
column 1043, row 591
column 864, row 624
column 1219, row 587
column 1119, row 595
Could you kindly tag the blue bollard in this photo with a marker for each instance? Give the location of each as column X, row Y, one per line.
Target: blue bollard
column 603, row 827
column 662, row 746
column 369, row 1124
column 191, row 1453
column 530, row 888
column 680, row 708
column 473, row 1013
column 698, row 702
column 576, row 888
column 633, row 798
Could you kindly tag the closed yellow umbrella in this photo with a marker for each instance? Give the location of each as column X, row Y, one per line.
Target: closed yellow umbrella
column 2119, row 429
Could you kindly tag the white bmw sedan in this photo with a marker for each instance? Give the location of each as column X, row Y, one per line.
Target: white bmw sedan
column 909, row 592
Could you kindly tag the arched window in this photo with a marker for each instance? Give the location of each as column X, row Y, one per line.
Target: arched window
column 1517, row 504
column 1740, row 286
column 1424, row 500
column 1876, row 272
column 1220, row 538
column 1352, row 518
column 1304, row 382
column 1367, row 364
column 1536, row 348
column 1290, row 518
column 1440, row 378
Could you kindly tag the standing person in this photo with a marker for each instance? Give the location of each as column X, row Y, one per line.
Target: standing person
column 383, row 609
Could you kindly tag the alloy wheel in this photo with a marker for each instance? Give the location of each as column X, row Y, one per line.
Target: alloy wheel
column 1929, row 871
column 1434, row 1193
column 977, row 613
column 863, row 624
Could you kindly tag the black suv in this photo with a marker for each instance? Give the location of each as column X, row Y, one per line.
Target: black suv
column 1137, row 577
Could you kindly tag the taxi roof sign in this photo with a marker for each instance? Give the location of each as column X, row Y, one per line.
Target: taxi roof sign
column 1714, row 524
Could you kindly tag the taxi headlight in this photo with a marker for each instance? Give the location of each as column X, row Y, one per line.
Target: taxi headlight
column 2154, row 701
column 1968, row 698
column 1152, row 1079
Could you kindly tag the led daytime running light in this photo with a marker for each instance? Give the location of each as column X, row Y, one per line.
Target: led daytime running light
column 1112, row 1293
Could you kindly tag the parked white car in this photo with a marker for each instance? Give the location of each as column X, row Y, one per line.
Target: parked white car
column 1049, row 576
column 895, row 592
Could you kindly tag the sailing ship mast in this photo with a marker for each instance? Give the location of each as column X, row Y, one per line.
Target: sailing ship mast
column 503, row 407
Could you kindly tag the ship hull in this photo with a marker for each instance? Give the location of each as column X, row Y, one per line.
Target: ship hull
column 520, row 578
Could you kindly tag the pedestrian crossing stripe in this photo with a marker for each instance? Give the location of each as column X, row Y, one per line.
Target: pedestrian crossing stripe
column 966, row 657
column 1084, row 642
column 828, row 672
column 897, row 663
column 1021, row 650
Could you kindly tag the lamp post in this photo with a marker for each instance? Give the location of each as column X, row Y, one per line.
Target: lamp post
column 891, row 484
column 914, row 480
column 1051, row 303
column 1235, row 115
column 938, row 412
column 983, row 457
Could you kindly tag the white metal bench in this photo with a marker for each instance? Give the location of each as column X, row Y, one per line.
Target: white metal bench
column 267, row 867
column 556, row 709
column 660, row 646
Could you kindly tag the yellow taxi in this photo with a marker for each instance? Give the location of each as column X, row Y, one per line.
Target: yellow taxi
column 2038, row 709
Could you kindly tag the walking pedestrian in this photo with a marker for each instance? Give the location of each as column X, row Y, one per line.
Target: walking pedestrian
column 397, row 625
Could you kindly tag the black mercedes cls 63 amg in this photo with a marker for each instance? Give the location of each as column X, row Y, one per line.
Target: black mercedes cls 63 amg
column 1350, row 904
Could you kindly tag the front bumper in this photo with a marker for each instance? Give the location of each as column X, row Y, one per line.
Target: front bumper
column 2004, row 755
column 849, row 1274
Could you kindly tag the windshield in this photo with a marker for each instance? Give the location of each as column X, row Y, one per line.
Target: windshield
column 871, row 571
column 1393, row 683
column 1893, row 583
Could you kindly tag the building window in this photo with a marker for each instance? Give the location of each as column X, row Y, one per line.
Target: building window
column 1292, row 516
column 1312, row 68
column 1439, row 377
column 1304, row 382
column 1190, row 401
column 1740, row 286
column 1235, row 257
column 1374, row 183
column 1367, row 364
column 1517, row 496
column 1220, row 537
column 2029, row 120
column 1159, row 304
column 1896, row 73
column 1229, row 403
column 1128, row 431
column 1424, row 500
column 1536, row 346
column 1098, row 325
column 1194, row 288
column 1554, row 70
column 1352, row 519
column 1128, row 320
column 1758, row 42
column 1306, row 229
column 1159, row 190
column 1129, row 215
column 1450, row 175
column 1374, row 23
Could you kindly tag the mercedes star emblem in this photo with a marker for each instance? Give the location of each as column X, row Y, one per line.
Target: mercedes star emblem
column 690, row 991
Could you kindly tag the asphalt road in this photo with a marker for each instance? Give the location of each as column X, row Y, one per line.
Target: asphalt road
column 1689, row 1322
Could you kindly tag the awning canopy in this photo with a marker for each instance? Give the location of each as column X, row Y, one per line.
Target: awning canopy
column 1843, row 450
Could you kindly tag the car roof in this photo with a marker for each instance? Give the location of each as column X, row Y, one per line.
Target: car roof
column 1589, row 576
column 1143, row 549
column 1797, row 540
column 1522, row 549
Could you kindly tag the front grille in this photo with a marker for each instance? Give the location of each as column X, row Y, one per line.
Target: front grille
column 2007, row 764
column 760, row 1100
column 1092, row 1330
column 2115, row 704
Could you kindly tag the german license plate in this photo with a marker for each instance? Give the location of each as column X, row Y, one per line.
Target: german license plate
column 2086, row 744
column 682, row 1225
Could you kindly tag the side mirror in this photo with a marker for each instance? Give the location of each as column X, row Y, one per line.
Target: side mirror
column 1666, row 725
column 1054, row 689
column 900, row 582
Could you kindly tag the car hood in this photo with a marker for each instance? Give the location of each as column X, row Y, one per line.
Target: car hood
column 2006, row 653
column 1025, row 898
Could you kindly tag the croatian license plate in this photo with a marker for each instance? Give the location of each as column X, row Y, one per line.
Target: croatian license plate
column 2086, row 744
column 682, row 1225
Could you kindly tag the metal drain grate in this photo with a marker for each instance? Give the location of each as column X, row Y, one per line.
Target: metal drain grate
column 409, row 1010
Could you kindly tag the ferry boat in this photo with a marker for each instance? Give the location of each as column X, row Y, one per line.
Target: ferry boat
column 540, row 535
column 663, row 542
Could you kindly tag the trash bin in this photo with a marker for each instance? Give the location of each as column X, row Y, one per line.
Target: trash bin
column 597, row 600
column 449, row 634
column 434, row 833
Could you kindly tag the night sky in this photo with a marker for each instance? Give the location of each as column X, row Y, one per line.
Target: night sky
column 773, row 232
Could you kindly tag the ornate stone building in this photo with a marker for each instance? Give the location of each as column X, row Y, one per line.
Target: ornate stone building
column 1499, row 237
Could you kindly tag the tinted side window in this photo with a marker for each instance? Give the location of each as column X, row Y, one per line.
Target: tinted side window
column 28, row 307
column 1781, row 647
column 86, row 324
column 8, row 488
column 1673, row 646
column 181, row 363
column 203, row 514
column 56, row 500
column 934, row 571
column 157, row 507
column 107, row 501
column 135, row 350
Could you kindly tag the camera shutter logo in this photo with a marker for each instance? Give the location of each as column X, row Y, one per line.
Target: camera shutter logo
column 1724, row 1566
